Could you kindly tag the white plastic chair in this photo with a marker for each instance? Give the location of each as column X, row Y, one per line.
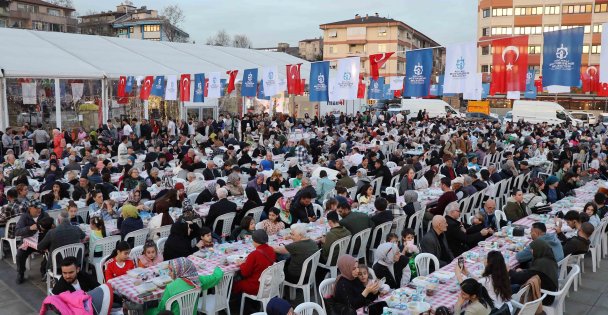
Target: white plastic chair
column 391, row 164
column 100, row 269
column 382, row 230
column 391, row 191
column 256, row 213
column 423, row 261
column 363, row 237
column 107, row 245
column 71, row 250
column 499, row 216
column 226, row 223
column 160, row 243
column 377, row 183
column 352, row 192
column 270, row 285
column 83, row 213
column 12, row 242
column 342, row 247
column 415, row 223
column 562, row 267
column 595, row 247
column 186, row 301
column 309, row 308
column 604, row 239
column 399, row 224
column 529, row 308
column 139, row 237
column 326, row 289
column 309, row 266
column 394, row 181
column 135, row 252
column 160, row 232
column 212, row 304
column 557, row 307
column 318, row 210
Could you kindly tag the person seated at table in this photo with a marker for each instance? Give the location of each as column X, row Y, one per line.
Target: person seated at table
column 302, row 208
column 162, row 217
column 600, row 200
column 98, row 231
column 459, row 239
column 119, row 261
column 435, row 241
column 233, row 184
column 57, row 193
column 362, row 178
column 344, row 194
column 273, row 196
column 297, row 179
column 478, row 301
column 344, row 180
column 298, row 251
column 221, row 207
column 564, row 167
column 573, row 219
column 64, row 234
column 539, row 231
column 209, row 194
column 489, row 217
column 132, row 180
column 278, row 306
column 191, row 161
column 543, row 265
column 591, row 210
column 284, row 206
column 94, row 176
column 551, row 189
column 536, row 194
column 446, row 198
column 349, row 292
column 390, row 264
column 274, row 224
column 75, row 219
column 381, row 170
column 578, row 244
column 365, row 194
column 409, row 180
column 185, row 277
column 447, row 169
column 149, row 256
column 206, row 238
column 515, row 208
column 258, row 183
column 495, row 278
column 244, row 230
column 179, row 242
column 106, row 186
column 256, row 262
column 331, row 205
column 53, row 170
column 462, row 166
column 567, row 184
column 267, row 164
column 457, row 187
column 73, row 278
column 336, row 232
column 324, row 184
column 306, row 187
column 130, row 221
column 277, row 176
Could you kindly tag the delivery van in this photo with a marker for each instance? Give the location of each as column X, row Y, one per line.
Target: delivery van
column 434, row 108
column 540, row 111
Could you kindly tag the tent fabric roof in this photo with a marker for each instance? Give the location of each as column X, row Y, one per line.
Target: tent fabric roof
column 27, row 53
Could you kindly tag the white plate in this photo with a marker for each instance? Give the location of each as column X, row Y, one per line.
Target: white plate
column 418, row 307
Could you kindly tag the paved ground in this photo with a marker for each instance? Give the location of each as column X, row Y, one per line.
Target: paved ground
column 25, row 299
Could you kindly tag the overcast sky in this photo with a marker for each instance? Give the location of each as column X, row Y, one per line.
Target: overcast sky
column 267, row 22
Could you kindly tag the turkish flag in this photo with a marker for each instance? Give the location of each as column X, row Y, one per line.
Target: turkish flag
column 146, row 88
column 591, row 78
column 122, row 83
column 293, row 79
column 603, row 89
column 122, row 100
column 376, row 62
column 206, row 87
column 232, row 74
column 184, row 86
column 302, row 87
column 361, row 87
column 509, row 64
column 397, row 93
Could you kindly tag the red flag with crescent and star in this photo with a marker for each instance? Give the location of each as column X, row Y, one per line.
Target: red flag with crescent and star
column 293, row 79
column 302, row 87
column 591, row 78
column 206, row 87
column 376, row 62
column 122, row 84
column 184, row 87
column 361, row 87
column 509, row 64
column 232, row 74
column 146, row 88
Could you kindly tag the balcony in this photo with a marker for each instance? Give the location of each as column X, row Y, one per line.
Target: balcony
column 43, row 17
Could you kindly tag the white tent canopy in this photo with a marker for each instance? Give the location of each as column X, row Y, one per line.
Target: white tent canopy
column 26, row 53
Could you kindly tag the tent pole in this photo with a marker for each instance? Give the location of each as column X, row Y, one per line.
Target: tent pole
column 57, row 104
column 104, row 101
column 4, row 122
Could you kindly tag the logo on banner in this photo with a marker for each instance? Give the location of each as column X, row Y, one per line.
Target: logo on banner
column 214, row 84
column 460, row 73
column 529, row 77
column 249, row 83
column 418, row 69
column 320, row 86
column 199, row 88
column 561, row 52
column 418, row 77
column 460, row 63
column 321, row 79
column 561, row 63
column 346, row 83
column 270, row 80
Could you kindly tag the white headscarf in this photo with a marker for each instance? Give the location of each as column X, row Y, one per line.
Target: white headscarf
column 385, row 255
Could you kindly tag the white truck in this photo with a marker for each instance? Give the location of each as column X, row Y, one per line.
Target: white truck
column 434, row 108
column 540, row 111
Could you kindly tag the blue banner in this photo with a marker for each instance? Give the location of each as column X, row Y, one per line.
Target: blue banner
column 129, row 85
column 387, row 94
column 375, row 90
column 223, row 86
column 485, row 90
column 318, row 83
column 250, row 83
column 434, row 90
column 530, row 88
column 158, row 88
column 562, row 52
column 199, row 88
column 418, row 71
column 261, row 94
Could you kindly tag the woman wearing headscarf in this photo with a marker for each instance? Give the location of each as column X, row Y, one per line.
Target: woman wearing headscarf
column 543, row 265
column 208, row 194
column 253, row 201
column 234, row 185
column 278, row 306
column 257, row 183
column 390, row 264
column 411, row 203
column 133, row 180
column 185, row 277
column 362, row 178
column 349, row 293
column 130, row 220
column 179, row 242
column 551, row 189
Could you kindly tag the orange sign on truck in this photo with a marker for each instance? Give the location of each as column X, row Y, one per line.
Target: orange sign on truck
column 479, row 107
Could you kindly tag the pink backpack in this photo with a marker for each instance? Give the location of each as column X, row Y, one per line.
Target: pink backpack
column 68, row 303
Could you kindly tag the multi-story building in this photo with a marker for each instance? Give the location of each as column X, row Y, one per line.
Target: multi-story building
column 131, row 22
column 282, row 47
column 367, row 35
column 506, row 18
column 37, row 15
column 311, row 49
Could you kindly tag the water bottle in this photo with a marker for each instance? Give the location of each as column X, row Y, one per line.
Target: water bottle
column 509, row 229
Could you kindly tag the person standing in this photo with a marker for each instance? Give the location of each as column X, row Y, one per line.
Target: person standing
column 41, row 138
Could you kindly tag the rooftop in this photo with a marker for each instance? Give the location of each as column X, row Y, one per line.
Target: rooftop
column 44, row 3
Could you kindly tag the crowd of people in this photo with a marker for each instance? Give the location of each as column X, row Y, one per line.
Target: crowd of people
column 351, row 151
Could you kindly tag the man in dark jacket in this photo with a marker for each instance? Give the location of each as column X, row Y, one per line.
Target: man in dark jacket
column 221, row 207
column 383, row 171
column 457, row 237
column 448, row 196
column 302, row 209
column 578, row 244
column 434, row 242
column 354, row 222
column 28, row 226
column 72, row 278
column 64, row 234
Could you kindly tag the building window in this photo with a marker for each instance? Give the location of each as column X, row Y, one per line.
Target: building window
column 486, row 13
column 485, row 68
column 552, row 10
column 529, row 11
column 400, row 67
column 331, row 49
column 382, row 32
column 485, row 31
column 27, row 8
column 530, row 30
column 131, row 29
column 585, row 49
column 381, row 48
column 601, row 8
column 333, row 33
column 502, row 31
column 54, row 12
column 596, row 49
column 577, row 8
column 534, row 50
column 586, row 28
column 551, row 28
column 502, row 12
column 485, row 50
column 597, row 28
column 151, row 28
column 122, row 31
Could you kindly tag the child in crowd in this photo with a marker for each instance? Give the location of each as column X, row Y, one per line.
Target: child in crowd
column 206, row 237
column 273, row 225
column 297, row 182
column 247, row 228
column 75, row 219
column 150, row 256
column 119, row 262
column 98, row 231
column 331, row 205
column 392, row 238
column 409, row 250
column 364, row 277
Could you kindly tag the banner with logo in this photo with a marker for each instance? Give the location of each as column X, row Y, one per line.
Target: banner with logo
column 375, row 91
column 261, row 94
column 397, row 83
column 225, row 86
column 214, row 88
column 530, row 87
column 509, row 64
column 418, row 71
column 387, row 94
column 562, row 52
column 199, row 88
column 318, row 86
column 474, row 88
column 270, row 77
column 347, row 78
column 129, row 85
column 604, row 55
column 158, row 88
column 249, row 86
column 461, row 64
column 333, row 90
column 171, row 88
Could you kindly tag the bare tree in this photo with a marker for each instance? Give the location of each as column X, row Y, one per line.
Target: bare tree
column 222, row 38
column 241, row 41
column 63, row 3
column 173, row 17
column 127, row 2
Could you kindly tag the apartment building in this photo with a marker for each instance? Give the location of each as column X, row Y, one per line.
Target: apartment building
column 311, row 49
column 37, row 15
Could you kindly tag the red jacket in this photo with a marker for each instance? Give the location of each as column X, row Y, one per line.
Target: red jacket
column 113, row 271
column 251, row 270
